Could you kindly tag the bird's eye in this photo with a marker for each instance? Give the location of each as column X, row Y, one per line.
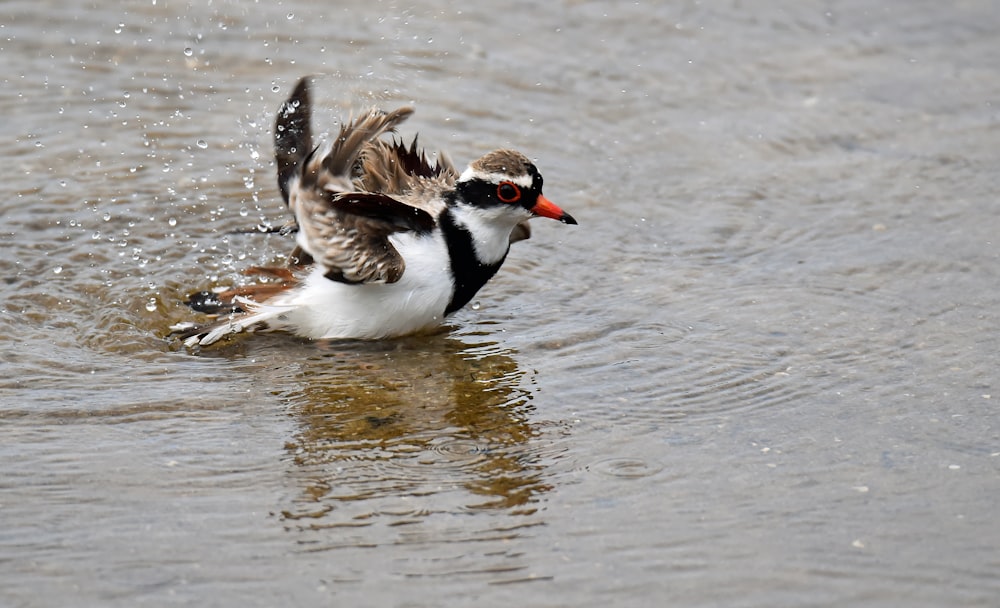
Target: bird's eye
column 508, row 192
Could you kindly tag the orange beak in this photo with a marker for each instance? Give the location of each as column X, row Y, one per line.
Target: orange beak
column 546, row 208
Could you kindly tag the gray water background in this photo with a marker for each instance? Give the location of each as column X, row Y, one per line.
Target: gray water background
column 760, row 372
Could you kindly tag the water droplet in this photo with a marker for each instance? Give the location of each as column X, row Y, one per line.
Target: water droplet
column 227, row 259
column 275, row 88
column 151, row 305
column 188, row 52
column 244, row 212
column 57, row 269
column 96, row 235
column 107, row 216
column 476, row 306
column 172, row 222
column 201, row 143
column 290, row 16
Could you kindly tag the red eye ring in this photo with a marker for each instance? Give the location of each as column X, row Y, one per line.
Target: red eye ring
column 508, row 192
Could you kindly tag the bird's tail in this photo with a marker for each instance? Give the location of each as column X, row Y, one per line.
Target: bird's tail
column 253, row 317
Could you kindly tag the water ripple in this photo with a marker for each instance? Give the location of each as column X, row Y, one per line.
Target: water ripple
column 743, row 348
column 628, row 468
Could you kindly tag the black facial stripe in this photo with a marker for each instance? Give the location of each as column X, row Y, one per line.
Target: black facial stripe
column 481, row 193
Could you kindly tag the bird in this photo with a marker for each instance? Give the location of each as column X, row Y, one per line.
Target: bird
column 387, row 242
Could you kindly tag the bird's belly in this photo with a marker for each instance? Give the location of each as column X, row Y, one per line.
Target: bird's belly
column 328, row 309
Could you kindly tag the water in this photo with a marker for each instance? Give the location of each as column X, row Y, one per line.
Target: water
column 761, row 371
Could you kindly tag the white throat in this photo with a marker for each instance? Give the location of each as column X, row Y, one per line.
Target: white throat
column 490, row 229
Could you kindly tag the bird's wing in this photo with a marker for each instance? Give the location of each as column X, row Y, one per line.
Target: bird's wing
column 348, row 233
column 293, row 146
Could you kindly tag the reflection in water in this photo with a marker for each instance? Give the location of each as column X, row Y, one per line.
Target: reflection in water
column 386, row 426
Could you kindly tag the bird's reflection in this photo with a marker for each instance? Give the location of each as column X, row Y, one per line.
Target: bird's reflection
column 411, row 427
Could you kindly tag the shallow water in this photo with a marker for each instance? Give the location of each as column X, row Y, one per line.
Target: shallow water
column 759, row 372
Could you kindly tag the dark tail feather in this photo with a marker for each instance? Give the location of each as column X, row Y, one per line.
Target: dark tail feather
column 292, row 134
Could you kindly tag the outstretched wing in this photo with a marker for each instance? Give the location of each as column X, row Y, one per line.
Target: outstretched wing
column 342, row 223
column 293, row 145
column 397, row 170
column 348, row 233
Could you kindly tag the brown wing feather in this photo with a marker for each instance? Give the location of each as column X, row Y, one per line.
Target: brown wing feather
column 356, row 134
column 395, row 169
column 382, row 209
column 349, row 234
column 344, row 223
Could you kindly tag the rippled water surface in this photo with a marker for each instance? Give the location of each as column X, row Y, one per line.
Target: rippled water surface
column 761, row 371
